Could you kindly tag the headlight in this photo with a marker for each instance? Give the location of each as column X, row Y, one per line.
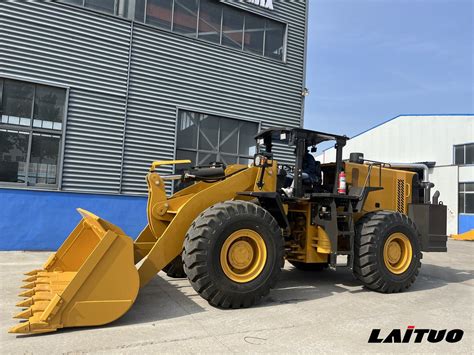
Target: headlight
column 259, row 160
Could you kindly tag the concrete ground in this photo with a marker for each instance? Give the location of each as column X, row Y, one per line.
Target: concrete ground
column 307, row 312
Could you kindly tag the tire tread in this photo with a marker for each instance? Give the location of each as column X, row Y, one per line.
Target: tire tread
column 200, row 235
column 369, row 231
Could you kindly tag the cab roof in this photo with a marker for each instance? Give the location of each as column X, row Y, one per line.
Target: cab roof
column 291, row 135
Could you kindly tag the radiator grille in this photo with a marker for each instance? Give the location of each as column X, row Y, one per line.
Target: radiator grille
column 401, row 195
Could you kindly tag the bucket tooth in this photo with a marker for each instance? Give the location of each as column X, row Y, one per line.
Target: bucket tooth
column 27, row 293
column 21, row 328
column 26, row 314
column 32, row 272
column 29, row 285
column 30, row 279
column 25, row 303
column 31, row 327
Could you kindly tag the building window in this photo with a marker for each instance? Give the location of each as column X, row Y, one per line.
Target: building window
column 274, row 39
column 232, row 27
column 254, row 30
column 466, row 197
column 464, row 154
column 32, row 118
column 159, row 13
column 108, row 6
column 185, row 17
column 205, row 139
column 209, row 20
column 210, row 13
column 132, row 9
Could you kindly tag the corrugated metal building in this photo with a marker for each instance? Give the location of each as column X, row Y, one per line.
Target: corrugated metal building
column 92, row 91
column 445, row 142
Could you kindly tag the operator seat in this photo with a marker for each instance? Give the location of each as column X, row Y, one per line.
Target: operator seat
column 312, row 177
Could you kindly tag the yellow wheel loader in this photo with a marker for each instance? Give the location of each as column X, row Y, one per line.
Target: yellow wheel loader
column 230, row 230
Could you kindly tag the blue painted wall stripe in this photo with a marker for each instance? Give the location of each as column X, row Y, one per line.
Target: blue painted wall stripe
column 41, row 220
column 466, row 223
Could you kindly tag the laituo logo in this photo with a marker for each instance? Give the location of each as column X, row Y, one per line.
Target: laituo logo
column 412, row 335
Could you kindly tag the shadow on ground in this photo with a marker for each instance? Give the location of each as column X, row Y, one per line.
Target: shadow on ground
column 164, row 298
column 327, row 283
column 434, row 276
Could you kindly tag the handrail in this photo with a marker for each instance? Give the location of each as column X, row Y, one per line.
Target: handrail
column 367, row 179
column 369, row 172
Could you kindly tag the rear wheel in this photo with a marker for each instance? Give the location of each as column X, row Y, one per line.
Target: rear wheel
column 387, row 254
column 233, row 254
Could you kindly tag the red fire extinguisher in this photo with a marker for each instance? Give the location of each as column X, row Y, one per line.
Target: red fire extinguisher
column 341, row 186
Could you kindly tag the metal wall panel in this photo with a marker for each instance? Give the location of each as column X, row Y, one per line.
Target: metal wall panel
column 170, row 71
column 88, row 52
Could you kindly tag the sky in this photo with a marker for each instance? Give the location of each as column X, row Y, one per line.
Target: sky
column 371, row 60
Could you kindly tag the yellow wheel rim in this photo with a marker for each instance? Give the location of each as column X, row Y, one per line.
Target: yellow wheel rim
column 243, row 255
column 397, row 253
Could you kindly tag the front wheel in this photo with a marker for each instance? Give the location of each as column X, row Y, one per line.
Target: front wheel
column 387, row 254
column 233, row 254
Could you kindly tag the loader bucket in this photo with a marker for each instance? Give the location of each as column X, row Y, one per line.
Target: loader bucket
column 90, row 280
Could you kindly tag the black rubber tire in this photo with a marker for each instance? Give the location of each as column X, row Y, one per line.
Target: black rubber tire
column 309, row 266
column 203, row 244
column 175, row 268
column 372, row 231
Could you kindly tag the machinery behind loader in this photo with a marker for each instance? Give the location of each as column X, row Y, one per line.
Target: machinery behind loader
column 232, row 229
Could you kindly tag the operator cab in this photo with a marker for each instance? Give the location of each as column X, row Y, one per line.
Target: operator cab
column 310, row 178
